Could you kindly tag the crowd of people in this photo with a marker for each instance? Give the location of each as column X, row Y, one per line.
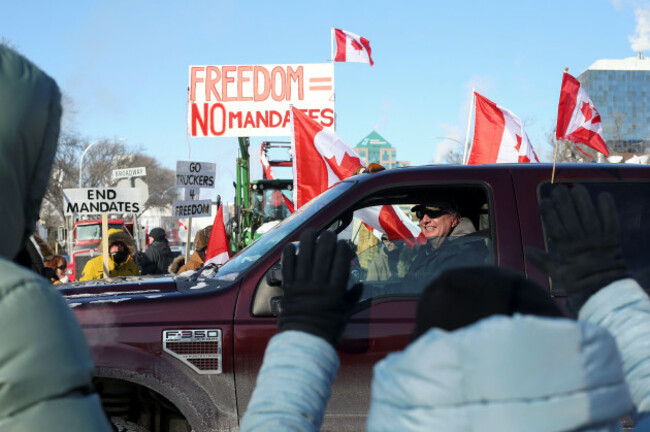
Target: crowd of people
column 490, row 349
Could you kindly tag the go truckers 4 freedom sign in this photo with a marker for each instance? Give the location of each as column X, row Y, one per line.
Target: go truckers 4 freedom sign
column 254, row 100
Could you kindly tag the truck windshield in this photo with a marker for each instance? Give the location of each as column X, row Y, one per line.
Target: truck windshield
column 243, row 260
column 271, row 204
column 93, row 232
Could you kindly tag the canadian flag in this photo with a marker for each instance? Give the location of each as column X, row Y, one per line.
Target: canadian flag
column 218, row 251
column 351, row 48
column 268, row 174
column 499, row 136
column 390, row 220
column 320, row 158
column 181, row 225
column 577, row 118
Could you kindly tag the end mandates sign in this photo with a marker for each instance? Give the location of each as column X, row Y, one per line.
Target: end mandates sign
column 93, row 201
column 254, row 100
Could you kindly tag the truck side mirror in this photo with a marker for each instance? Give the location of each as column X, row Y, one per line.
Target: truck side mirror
column 274, row 276
column 61, row 234
column 266, row 302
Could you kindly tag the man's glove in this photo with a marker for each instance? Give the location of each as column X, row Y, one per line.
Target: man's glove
column 316, row 299
column 588, row 253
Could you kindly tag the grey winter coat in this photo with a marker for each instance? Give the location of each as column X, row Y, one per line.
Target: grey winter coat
column 45, row 364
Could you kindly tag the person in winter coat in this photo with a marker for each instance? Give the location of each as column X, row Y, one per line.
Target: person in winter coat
column 120, row 249
column 45, row 364
column 385, row 265
column 490, row 350
column 449, row 242
column 587, row 264
column 158, row 256
column 196, row 261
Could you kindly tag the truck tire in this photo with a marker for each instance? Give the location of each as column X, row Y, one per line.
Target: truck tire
column 122, row 425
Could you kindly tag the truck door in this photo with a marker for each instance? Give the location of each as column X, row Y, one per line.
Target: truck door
column 384, row 317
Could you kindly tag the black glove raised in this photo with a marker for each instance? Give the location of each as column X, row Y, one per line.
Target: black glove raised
column 316, row 299
column 588, row 253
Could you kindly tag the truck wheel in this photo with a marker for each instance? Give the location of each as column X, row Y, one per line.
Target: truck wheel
column 122, row 425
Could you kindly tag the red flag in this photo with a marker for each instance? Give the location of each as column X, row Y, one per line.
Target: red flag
column 266, row 167
column 390, row 220
column 320, row 158
column 289, row 204
column 218, row 251
column 351, row 48
column 577, row 118
column 181, row 225
column 499, row 136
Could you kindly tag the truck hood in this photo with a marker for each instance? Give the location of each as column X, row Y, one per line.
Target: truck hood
column 139, row 288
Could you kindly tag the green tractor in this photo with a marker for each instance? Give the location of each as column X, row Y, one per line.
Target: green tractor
column 259, row 204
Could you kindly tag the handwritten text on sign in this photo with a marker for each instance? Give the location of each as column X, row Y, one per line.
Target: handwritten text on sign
column 193, row 208
column 92, row 201
column 254, row 100
column 195, row 174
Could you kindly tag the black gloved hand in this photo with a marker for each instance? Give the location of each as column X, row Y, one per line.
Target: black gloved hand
column 588, row 253
column 316, row 299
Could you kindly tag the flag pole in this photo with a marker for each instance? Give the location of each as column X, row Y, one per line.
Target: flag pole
column 332, row 45
column 554, row 160
column 469, row 120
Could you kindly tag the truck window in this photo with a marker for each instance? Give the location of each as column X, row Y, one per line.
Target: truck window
column 93, row 232
column 633, row 203
column 403, row 264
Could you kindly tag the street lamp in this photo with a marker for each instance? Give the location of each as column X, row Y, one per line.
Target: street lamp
column 81, row 160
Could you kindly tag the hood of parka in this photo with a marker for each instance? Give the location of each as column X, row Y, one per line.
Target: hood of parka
column 30, row 116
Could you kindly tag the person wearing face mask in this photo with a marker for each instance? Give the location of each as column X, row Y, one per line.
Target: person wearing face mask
column 447, row 243
column 119, row 260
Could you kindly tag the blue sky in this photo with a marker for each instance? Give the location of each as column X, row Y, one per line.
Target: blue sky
column 124, row 64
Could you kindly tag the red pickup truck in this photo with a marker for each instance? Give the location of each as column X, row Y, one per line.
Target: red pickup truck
column 182, row 353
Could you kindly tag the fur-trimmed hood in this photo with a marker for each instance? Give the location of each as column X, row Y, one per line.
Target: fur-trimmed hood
column 117, row 235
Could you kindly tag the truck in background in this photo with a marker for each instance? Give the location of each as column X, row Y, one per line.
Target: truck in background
column 85, row 238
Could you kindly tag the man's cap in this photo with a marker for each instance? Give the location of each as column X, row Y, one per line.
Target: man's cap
column 436, row 206
column 158, row 234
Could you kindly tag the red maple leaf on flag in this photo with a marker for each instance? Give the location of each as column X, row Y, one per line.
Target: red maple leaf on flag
column 347, row 166
column 586, row 111
column 522, row 158
column 356, row 45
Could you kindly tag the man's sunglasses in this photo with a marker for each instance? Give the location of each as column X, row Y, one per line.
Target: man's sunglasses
column 431, row 213
column 62, row 267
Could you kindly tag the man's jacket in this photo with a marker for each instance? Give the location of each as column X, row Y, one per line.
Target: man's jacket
column 94, row 269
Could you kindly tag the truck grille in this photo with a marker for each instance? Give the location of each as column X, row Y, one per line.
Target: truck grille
column 199, row 349
column 79, row 264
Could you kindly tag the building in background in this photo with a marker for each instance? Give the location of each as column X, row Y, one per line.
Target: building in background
column 374, row 148
column 620, row 90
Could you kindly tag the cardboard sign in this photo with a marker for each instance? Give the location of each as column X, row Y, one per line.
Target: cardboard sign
column 192, row 208
column 129, row 172
column 254, row 100
column 191, row 193
column 93, row 201
column 195, row 174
